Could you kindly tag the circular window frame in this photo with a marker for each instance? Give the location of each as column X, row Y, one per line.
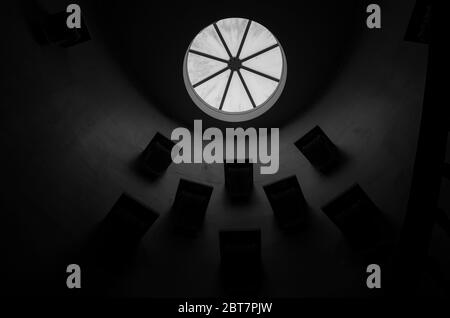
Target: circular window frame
column 235, row 116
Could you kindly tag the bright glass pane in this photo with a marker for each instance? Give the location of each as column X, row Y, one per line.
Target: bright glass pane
column 260, row 88
column 258, row 38
column 270, row 63
column 232, row 31
column 237, row 99
column 208, row 42
column 212, row 91
column 200, row 67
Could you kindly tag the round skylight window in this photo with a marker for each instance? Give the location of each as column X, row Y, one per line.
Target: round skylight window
column 235, row 69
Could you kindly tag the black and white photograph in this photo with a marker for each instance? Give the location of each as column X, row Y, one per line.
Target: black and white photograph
column 223, row 157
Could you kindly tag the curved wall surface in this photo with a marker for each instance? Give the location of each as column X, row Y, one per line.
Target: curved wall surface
column 74, row 121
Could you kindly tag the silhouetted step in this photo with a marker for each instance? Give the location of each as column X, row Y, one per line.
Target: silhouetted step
column 120, row 233
column 239, row 178
column 446, row 170
column 320, row 151
column 129, row 219
column 419, row 27
column 156, row 158
column 57, row 32
column 433, row 267
column 112, row 247
column 288, row 202
column 359, row 219
column 443, row 220
column 189, row 207
column 240, row 254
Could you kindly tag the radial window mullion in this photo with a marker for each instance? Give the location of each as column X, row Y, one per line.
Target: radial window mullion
column 210, row 77
column 222, row 40
column 246, row 89
column 226, row 90
column 260, row 52
column 260, row 74
column 208, row 56
column 243, row 38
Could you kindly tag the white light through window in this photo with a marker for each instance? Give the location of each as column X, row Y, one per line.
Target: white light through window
column 235, row 67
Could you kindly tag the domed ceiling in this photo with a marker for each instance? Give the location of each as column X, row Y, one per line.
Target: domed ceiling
column 151, row 42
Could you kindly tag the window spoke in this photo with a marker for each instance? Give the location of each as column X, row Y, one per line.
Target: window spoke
column 222, row 40
column 246, row 89
column 210, row 77
column 260, row 74
column 260, row 52
column 243, row 38
column 226, row 90
column 208, row 56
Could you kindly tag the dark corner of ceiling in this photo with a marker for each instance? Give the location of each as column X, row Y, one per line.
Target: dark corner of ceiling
column 149, row 41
